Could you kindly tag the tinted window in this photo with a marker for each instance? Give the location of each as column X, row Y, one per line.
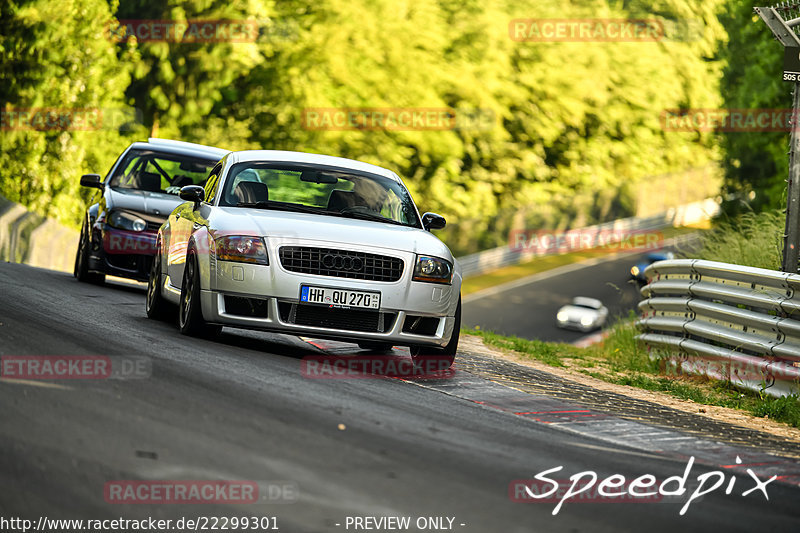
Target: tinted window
column 160, row 172
column 326, row 190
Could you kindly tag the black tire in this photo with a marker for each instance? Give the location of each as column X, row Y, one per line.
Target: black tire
column 81, row 269
column 156, row 306
column 376, row 347
column 190, row 313
column 428, row 359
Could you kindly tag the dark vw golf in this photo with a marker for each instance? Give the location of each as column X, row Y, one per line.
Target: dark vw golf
column 120, row 225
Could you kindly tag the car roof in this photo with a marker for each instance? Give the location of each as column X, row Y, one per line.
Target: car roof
column 285, row 156
column 587, row 302
column 180, row 147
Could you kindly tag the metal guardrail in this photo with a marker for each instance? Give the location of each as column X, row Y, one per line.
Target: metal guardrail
column 26, row 237
column 727, row 322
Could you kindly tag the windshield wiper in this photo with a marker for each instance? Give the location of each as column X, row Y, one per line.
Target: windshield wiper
column 279, row 206
column 362, row 215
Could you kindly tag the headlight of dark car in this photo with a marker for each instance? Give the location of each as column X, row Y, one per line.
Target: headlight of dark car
column 433, row 269
column 243, row 249
column 126, row 221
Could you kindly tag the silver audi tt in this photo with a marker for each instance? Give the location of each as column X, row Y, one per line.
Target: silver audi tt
column 308, row 245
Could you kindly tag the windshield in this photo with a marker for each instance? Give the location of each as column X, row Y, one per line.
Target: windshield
column 319, row 189
column 147, row 170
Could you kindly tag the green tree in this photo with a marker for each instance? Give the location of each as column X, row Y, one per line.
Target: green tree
column 180, row 82
column 756, row 163
column 56, row 55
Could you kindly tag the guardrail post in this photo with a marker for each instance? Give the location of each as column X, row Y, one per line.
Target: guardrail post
column 791, row 237
column 784, row 33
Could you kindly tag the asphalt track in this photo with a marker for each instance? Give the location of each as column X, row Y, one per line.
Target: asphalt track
column 239, row 408
column 529, row 311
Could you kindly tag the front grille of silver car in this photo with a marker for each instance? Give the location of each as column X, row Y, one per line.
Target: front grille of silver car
column 341, row 263
column 320, row 316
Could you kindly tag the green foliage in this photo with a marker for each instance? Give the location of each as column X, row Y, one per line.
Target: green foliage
column 180, row 85
column 570, row 131
column 53, row 58
column 756, row 162
column 621, row 349
column 785, row 408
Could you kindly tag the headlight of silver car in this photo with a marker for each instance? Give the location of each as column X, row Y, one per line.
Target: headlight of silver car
column 243, row 249
column 433, row 269
column 126, row 221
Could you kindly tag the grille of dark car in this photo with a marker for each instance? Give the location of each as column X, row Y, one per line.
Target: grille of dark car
column 341, row 263
column 320, row 316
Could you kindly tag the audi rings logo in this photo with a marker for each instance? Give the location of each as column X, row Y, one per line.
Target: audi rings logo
column 347, row 263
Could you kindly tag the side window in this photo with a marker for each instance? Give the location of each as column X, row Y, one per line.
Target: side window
column 212, row 183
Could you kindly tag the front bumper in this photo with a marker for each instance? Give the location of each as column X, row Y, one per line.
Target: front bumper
column 267, row 297
column 577, row 326
column 120, row 253
column 273, row 314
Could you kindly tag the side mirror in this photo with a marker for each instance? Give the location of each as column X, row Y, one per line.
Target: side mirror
column 91, row 180
column 193, row 193
column 433, row 221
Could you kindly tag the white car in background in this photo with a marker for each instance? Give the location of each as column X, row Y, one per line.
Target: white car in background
column 308, row 245
column 583, row 314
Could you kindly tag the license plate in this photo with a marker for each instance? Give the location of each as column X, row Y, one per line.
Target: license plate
column 340, row 297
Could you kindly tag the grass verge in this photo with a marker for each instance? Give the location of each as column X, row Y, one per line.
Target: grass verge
column 752, row 239
column 619, row 359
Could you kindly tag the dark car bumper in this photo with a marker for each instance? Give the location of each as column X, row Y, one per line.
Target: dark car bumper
column 120, row 253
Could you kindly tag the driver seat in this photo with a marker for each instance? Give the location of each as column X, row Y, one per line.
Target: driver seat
column 250, row 192
column 340, row 200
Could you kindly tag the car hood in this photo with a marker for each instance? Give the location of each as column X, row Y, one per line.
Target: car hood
column 343, row 231
column 152, row 203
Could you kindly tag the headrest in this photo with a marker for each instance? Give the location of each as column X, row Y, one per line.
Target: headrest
column 149, row 181
column 339, row 200
column 250, row 192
